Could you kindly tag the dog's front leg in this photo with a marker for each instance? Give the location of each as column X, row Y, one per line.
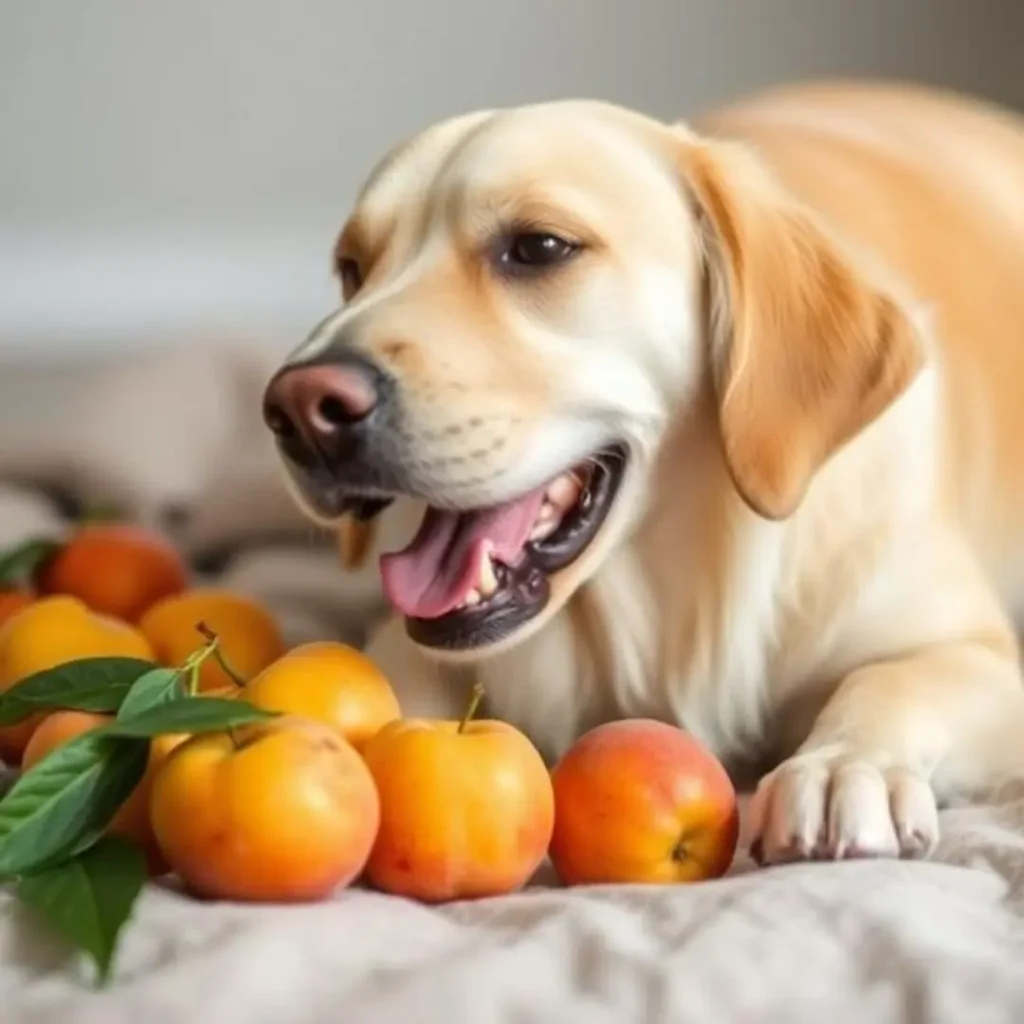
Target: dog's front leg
column 894, row 739
column 424, row 688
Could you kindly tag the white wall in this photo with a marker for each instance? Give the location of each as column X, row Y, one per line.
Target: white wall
column 174, row 165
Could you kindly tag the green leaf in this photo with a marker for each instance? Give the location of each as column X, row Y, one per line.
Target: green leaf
column 158, row 686
column 84, row 842
column 88, row 684
column 87, row 900
column 20, row 564
column 74, row 791
column 189, row 714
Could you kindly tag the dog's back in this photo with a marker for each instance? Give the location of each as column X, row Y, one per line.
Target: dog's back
column 930, row 186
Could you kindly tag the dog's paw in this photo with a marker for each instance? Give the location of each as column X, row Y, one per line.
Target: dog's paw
column 820, row 806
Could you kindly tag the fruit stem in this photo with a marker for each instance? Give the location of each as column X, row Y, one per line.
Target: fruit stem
column 190, row 666
column 213, row 648
column 228, row 669
column 681, row 851
column 193, row 680
column 474, row 703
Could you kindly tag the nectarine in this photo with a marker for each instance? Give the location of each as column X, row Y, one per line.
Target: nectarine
column 466, row 808
column 12, row 602
column 51, row 632
column 281, row 810
column 642, row 801
column 249, row 637
column 330, row 683
column 117, row 569
column 132, row 819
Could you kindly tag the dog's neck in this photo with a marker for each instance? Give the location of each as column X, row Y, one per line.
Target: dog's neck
column 651, row 637
column 704, row 602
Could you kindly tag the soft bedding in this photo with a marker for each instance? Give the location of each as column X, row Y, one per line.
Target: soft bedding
column 174, row 439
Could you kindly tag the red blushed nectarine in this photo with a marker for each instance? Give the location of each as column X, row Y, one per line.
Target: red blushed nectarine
column 642, row 801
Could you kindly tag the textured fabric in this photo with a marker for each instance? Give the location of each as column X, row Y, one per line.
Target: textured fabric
column 860, row 942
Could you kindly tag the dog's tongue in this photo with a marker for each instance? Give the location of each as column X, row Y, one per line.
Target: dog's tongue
column 436, row 572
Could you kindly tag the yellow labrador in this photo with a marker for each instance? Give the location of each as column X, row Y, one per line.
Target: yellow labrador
column 721, row 424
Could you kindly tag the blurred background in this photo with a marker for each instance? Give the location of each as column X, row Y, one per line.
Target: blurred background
column 173, row 176
column 178, row 170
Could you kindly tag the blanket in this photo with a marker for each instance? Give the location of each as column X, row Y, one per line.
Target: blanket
column 173, row 439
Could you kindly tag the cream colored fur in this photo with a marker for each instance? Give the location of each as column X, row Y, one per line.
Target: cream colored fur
column 805, row 315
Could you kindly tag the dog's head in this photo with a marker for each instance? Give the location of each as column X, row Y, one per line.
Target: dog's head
column 531, row 297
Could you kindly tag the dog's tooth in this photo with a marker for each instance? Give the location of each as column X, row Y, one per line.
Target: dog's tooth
column 564, row 490
column 543, row 528
column 488, row 582
column 472, row 598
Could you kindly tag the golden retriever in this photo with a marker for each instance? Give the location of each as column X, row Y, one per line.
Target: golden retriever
column 721, row 424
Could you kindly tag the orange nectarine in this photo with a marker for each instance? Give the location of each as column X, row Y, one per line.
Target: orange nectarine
column 249, row 637
column 51, row 632
column 330, row 683
column 466, row 809
column 132, row 819
column 281, row 810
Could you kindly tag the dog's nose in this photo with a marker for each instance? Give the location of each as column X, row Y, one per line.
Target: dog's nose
column 321, row 402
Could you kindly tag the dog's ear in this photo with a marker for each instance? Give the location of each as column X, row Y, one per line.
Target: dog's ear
column 805, row 353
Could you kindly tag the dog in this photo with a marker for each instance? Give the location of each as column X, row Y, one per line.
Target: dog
column 718, row 423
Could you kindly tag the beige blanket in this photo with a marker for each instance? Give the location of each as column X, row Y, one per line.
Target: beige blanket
column 175, row 440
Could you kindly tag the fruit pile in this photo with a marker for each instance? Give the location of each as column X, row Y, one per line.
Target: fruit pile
column 165, row 730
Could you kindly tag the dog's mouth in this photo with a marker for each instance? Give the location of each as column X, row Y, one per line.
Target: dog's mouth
column 471, row 578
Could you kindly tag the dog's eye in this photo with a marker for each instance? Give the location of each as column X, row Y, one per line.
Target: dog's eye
column 351, row 276
column 535, row 250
